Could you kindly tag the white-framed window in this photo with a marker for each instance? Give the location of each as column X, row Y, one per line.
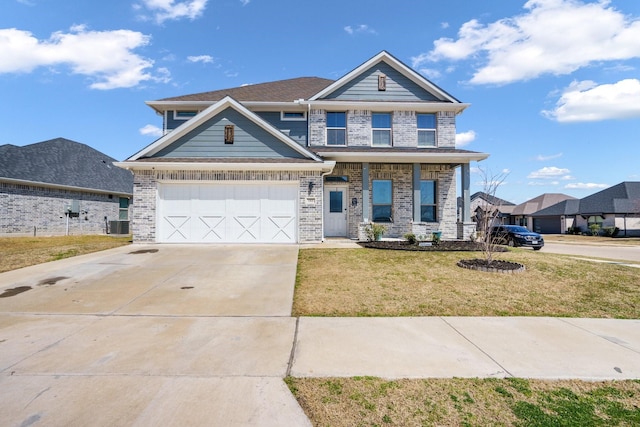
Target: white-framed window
column 123, row 211
column 293, row 116
column 184, row 115
column 426, row 130
column 381, row 129
column 336, row 128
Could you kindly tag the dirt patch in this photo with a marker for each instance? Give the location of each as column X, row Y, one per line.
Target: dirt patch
column 496, row 266
column 443, row 245
column 144, row 251
column 11, row 292
column 51, row 281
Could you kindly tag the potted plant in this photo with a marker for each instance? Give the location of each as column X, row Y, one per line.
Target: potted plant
column 375, row 231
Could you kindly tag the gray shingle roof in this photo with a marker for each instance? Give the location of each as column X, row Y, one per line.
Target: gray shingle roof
column 278, row 91
column 618, row 199
column 566, row 207
column 491, row 199
column 66, row 163
column 540, row 202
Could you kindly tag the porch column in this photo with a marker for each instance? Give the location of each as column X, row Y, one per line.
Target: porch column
column 465, row 184
column 417, row 214
column 365, row 192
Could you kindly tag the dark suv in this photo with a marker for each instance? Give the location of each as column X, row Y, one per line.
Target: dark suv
column 516, row 235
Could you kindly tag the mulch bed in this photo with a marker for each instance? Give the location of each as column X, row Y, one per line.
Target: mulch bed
column 443, row 245
column 496, row 266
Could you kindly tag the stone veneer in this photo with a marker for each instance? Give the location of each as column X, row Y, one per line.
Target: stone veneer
column 402, row 177
column 35, row 210
column 145, row 190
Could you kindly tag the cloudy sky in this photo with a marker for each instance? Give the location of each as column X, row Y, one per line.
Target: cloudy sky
column 554, row 85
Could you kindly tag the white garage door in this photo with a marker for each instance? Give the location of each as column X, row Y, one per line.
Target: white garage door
column 229, row 213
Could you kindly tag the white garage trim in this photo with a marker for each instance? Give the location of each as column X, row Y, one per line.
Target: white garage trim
column 228, row 212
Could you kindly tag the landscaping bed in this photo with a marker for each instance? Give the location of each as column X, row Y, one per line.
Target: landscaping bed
column 443, row 245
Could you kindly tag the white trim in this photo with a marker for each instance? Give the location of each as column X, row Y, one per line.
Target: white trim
column 379, row 106
column 222, row 166
column 394, row 63
column 293, row 119
column 391, row 157
column 435, row 131
column 205, row 115
column 389, row 129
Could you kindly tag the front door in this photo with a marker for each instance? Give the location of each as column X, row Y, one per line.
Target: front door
column 335, row 210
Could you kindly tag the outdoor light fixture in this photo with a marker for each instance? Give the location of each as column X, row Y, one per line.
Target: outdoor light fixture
column 311, row 185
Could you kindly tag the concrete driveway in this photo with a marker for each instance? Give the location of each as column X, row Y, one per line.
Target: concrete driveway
column 610, row 251
column 150, row 335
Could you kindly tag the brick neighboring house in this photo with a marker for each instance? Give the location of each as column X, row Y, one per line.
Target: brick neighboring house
column 59, row 187
column 523, row 214
column 481, row 202
column 302, row 159
column 616, row 206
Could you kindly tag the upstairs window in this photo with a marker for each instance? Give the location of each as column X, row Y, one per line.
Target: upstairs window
column 382, row 190
column 426, row 130
column 293, row 116
column 184, row 115
column 428, row 201
column 381, row 126
column 336, row 128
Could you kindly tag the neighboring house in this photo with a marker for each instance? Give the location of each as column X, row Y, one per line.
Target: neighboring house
column 482, row 202
column 558, row 218
column 522, row 214
column 59, row 187
column 303, row 159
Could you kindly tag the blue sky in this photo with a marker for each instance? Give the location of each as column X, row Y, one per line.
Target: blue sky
column 554, row 85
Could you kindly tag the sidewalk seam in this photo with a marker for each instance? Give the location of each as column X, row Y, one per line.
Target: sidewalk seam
column 293, row 348
column 476, row 346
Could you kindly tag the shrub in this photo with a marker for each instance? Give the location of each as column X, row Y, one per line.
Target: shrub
column 411, row 238
column 594, row 229
column 610, row 231
column 375, row 231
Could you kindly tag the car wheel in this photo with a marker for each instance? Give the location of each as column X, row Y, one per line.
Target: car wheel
column 511, row 243
column 538, row 248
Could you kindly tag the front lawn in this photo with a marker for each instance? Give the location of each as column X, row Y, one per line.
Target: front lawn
column 370, row 282
column 366, row 401
column 18, row 252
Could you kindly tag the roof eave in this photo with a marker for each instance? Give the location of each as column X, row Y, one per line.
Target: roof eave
column 390, row 157
column 386, row 105
column 323, row 166
column 62, row 187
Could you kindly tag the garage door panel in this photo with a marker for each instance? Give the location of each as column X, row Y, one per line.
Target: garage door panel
column 242, row 213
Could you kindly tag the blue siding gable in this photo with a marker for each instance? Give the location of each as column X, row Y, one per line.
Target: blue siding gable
column 250, row 140
column 297, row 129
column 398, row 88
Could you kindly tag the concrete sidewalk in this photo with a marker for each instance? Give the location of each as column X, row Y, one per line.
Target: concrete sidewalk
column 202, row 335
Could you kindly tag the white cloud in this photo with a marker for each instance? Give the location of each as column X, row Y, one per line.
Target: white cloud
column 542, row 158
column 245, row 2
column 26, row 2
column 430, row 73
column 105, row 56
column 465, row 138
column 587, row 102
column 360, row 29
column 164, row 10
column 549, row 172
column 585, row 186
column 151, row 130
column 205, row 59
column 444, row 25
column 550, row 37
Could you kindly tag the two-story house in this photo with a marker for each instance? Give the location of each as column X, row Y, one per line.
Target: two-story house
column 299, row 160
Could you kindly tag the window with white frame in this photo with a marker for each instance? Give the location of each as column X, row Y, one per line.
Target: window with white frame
column 293, row 116
column 381, row 129
column 184, row 115
column 428, row 205
column 123, row 211
column 382, row 191
column 426, row 130
column 336, row 128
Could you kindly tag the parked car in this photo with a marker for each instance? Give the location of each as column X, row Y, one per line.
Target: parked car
column 516, row 235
